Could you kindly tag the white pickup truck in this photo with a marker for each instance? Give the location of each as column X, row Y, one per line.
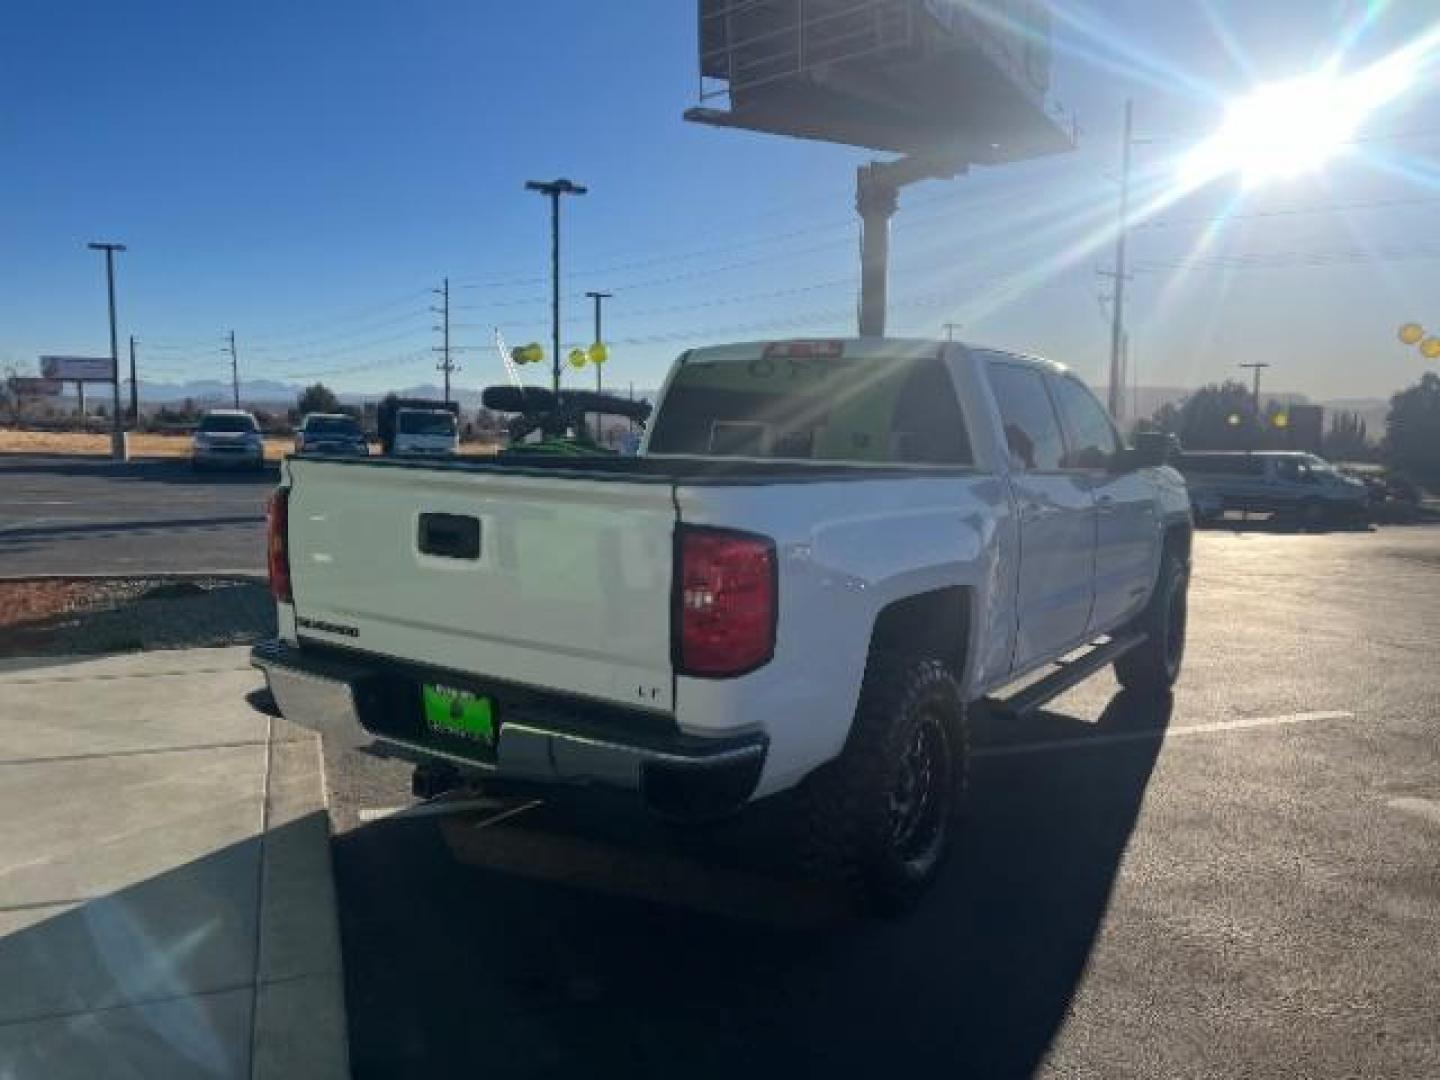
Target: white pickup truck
column 825, row 551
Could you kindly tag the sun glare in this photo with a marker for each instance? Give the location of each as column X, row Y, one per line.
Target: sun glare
column 1284, row 129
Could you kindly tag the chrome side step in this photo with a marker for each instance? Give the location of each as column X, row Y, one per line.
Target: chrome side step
column 1067, row 674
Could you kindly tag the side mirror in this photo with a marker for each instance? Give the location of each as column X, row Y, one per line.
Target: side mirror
column 1151, row 449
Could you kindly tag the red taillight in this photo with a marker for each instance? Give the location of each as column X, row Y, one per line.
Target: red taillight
column 726, row 602
column 277, row 544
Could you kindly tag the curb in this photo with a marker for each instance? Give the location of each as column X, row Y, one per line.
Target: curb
column 258, row 577
column 298, row 1021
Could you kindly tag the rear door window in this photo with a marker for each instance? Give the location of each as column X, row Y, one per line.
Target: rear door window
column 1032, row 431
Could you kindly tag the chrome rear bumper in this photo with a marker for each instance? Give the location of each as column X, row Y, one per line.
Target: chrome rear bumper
column 677, row 775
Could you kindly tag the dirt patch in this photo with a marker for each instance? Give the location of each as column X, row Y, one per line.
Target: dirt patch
column 46, row 618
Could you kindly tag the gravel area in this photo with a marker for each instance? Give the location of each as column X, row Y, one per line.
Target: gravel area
column 46, row 618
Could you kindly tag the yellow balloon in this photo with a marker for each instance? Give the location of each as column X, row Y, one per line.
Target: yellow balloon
column 1411, row 333
column 1430, row 348
column 577, row 358
column 1282, row 420
column 599, row 353
column 534, row 352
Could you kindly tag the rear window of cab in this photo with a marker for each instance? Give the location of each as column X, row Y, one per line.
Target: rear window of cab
column 814, row 408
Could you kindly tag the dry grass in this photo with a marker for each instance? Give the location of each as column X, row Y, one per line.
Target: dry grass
column 146, row 446
column 141, row 445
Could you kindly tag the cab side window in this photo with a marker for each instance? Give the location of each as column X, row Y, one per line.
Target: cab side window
column 1090, row 437
column 1031, row 430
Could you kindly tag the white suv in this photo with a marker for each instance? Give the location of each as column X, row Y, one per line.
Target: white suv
column 228, row 437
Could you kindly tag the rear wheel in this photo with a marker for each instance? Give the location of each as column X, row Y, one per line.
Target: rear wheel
column 880, row 817
column 1153, row 666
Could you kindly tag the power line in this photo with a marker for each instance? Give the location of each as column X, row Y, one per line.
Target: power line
column 1291, row 260
column 366, row 327
column 1332, row 208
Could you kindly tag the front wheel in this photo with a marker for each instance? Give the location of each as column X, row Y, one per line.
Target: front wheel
column 881, row 815
column 1153, row 666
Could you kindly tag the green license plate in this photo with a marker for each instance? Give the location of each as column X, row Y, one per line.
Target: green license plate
column 458, row 712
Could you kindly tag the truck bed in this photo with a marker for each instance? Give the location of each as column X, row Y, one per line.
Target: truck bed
column 660, row 470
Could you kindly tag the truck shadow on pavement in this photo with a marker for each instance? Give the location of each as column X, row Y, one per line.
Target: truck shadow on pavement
column 531, row 948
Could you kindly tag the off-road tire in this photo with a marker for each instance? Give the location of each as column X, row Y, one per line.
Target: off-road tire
column 1153, row 666
column 880, row 818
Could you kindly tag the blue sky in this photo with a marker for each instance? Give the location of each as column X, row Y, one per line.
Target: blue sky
column 305, row 173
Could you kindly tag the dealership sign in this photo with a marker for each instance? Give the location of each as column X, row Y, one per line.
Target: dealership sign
column 78, row 368
column 30, row 387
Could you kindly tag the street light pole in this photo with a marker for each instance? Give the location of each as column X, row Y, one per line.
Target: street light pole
column 117, row 435
column 134, row 389
column 553, row 189
column 598, row 297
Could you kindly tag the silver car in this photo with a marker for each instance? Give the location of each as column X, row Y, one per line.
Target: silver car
column 227, row 438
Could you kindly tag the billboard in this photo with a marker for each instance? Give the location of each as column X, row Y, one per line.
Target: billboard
column 78, row 368
column 26, row 386
column 967, row 78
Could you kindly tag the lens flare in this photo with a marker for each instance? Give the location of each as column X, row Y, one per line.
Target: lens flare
column 1284, row 129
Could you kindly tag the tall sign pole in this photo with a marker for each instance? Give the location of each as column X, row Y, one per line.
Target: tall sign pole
column 553, row 189
column 117, row 435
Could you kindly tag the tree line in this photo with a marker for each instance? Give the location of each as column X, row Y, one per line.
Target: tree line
column 1222, row 416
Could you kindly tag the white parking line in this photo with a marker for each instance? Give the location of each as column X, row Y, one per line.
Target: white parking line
column 508, row 814
column 367, row 814
column 1083, row 742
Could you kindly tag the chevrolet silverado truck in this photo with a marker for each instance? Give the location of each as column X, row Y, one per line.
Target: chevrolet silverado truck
column 824, row 554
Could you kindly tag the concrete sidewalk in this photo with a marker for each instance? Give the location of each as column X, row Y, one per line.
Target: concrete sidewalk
column 166, row 901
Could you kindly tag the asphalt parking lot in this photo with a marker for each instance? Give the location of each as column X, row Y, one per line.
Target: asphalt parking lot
column 1242, row 882
column 79, row 515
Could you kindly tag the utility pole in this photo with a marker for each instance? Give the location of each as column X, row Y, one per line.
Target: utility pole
column 446, row 364
column 134, row 389
column 117, row 435
column 950, row 328
column 599, row 298
column 234, row 370
column 1117, row 324
column 1257, row 368
column 553, row 189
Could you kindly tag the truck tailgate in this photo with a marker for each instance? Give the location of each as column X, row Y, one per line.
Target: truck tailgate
column 553, row 582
